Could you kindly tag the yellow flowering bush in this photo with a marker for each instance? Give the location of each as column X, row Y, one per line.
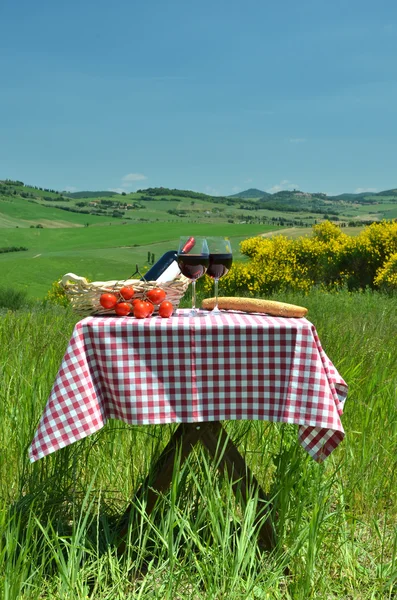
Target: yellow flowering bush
column 242, row 278
column 56, row 295
column 329, row 259
column 386, row 277
column 252, row 246
column 364, row 255
column 327, row 231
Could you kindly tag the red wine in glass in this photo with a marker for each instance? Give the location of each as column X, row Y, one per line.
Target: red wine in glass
column 219, row 265
column 193, row 261
column 193, row 266
column 221, row 259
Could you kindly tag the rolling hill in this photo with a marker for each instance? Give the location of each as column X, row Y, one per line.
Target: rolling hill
column 26, row 207
column 251, row 193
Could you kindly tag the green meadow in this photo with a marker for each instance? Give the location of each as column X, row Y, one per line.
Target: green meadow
column 21, row 213
column 98, row 253
column 336, row 521
column 102, row 247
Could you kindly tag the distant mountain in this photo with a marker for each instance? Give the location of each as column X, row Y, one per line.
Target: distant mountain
column 89, row 194
column 251, row 193
column 297, row 194
column 385, row 193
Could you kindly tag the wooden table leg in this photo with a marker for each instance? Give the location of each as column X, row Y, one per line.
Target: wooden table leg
column 220, row 446
column 159, row 479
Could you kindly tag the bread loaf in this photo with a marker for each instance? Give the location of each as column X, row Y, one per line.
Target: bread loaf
column 270, row 307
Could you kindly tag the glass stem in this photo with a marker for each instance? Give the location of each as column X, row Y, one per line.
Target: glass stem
column 216, row 294
column 194, row 295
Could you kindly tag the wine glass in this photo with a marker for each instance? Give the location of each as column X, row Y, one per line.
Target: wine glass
column 193, row 260
column 221, row 259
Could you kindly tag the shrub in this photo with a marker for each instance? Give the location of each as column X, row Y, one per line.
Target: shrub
column 329, row 259
column 386, row 277
column 13, row 299
column 12, row 249
column 57, row 295
column 327, row 231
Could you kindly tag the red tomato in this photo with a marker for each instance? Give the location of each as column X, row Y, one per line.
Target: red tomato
column 156, row 295
column 122, row 309
column 166, row 309
column 108, row 300
column 141, row 311
column 135, row 300
column 150, row 307
column 127, row 292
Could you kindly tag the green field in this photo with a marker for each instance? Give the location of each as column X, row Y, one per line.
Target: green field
column 100, row 247
column 99, row 253
column 18, row 212
column 337, row 521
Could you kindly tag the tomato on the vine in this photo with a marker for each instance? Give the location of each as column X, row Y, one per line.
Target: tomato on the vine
column 108, row 300
column 150, row 307
column 156, row 295
column 166, row 309
column 127, row 292
column 140, row 309
column 122, row 309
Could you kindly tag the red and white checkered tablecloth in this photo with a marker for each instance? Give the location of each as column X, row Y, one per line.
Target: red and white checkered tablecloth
column 183, row 370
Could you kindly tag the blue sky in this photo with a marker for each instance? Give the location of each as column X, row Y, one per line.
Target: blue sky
column 215, row 96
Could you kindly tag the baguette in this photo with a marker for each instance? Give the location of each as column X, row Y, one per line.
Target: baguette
column 270, row 307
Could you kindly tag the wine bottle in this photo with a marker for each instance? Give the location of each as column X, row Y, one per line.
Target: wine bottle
column 165, row 269
column 188, row 246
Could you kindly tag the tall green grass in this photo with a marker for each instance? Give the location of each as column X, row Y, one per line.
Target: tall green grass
column 337, row 522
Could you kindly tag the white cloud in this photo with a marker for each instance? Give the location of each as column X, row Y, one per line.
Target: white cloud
column 285, row 184
column 211, row 191
column 131, row 177
column 236, row 189
column 361, row 190
column 128, row 182
column 70, row 188
column 297, row 140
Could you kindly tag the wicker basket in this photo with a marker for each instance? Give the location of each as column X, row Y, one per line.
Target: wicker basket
column 84, row 295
